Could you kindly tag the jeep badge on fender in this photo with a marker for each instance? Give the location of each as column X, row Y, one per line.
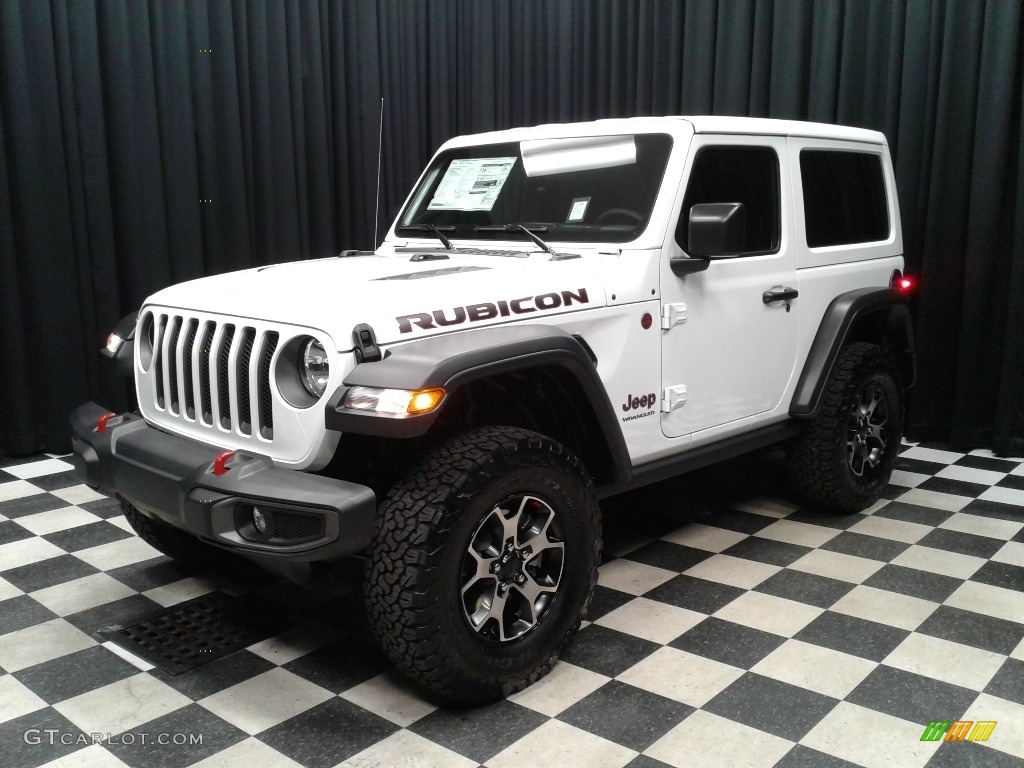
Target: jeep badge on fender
column 455, row 424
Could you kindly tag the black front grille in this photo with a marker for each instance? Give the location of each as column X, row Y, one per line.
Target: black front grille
column 222, row 374
column 242, row 377
column 266, row 403
column 293, row 525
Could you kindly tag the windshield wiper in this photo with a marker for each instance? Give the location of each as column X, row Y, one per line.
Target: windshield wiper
column 526, row 231
column 435, row 231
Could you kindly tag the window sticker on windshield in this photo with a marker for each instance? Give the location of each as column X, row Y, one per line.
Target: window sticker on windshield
column 578, row 210
column 472, row 184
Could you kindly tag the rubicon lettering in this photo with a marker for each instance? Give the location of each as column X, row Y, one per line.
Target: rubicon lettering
column 473, row 313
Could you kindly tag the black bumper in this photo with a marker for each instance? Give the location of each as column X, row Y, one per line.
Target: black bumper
column 170, row 478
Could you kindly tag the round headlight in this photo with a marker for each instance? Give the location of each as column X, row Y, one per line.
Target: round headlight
column 315, row 368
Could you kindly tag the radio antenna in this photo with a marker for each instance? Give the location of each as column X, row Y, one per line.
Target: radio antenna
column 380, row 153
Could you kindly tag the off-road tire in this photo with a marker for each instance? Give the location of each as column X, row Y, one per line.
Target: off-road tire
column 167, row 539
column 429, row 525
column 820, row 465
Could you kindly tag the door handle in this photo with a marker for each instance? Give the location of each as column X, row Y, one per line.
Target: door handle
column 778, row 293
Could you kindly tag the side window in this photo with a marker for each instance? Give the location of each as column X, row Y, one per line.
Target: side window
column 748, row 175
column 844, row 197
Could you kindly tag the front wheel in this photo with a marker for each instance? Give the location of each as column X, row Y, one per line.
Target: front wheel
column 844, row 457
column 483, row 563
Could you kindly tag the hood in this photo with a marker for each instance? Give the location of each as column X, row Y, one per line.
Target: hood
column 400, row 298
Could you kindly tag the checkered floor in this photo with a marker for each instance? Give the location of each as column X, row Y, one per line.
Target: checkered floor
column 730, row 628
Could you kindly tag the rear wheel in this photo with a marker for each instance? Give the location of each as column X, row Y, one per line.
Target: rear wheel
column 483, row 563
column 845, row 455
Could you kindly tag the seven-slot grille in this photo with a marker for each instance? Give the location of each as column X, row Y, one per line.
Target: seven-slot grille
column 215, row 373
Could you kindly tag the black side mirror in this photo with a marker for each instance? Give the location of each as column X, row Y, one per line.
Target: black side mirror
column 717, row 230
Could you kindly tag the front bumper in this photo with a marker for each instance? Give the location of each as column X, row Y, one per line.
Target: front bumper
column 170, row 478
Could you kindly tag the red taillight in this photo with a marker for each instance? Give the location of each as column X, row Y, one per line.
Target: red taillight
column 101, row 422
column 904, row 284
column 219, row 464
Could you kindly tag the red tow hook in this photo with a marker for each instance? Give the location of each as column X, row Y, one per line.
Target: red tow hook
column 101, row 422
column 219, row 464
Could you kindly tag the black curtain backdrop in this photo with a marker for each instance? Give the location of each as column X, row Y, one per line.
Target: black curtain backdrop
column 145, row 143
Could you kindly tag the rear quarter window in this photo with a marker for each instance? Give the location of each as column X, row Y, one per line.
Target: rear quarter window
column 844, row 197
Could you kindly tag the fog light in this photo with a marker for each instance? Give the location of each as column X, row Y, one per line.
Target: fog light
column 259, row 520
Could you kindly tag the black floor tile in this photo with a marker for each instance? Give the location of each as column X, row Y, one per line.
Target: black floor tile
column 150, row 574
column 805, row 757
column 605, row 601
column 728, row 643
column 743, row 701
column 767, row 551
column 341, row 665
column 351, row 729
column 912, row 513
column 105, row 508
column 117, row 613
column 826, row 520
column 1008, row 682
column 919, row 466
column 801, row 587
column 85, row 536
column 75, row 674
column 606, row 651
column 859, row 545
column 996, row 510
column 478, row 733
column 10, row 532
column 21, row 612
column 910, row 696
column 671, row 557
column 953, row 487
column 974, row 629
column 695, row 594
column 38, row 738
column 911, row 581
column 640, row 717
column 1012, row 481
column 57, row 481
column 30, row 505
column 987, row 462
column 969, row 754
column 643, row 761
column 181, row 737
column 48, row 573
column 963, row 543
column 849, row 634
column 735, row 520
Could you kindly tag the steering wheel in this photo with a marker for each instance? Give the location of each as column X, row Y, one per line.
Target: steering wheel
column 610, row 216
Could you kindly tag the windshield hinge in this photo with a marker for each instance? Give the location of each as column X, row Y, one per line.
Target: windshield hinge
column 366, row 350
column 672, row 315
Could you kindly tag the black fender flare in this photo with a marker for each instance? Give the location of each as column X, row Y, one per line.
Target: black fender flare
column 454, row 360
column 884, row 307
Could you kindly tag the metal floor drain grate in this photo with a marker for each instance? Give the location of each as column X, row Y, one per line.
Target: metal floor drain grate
column 196, row 632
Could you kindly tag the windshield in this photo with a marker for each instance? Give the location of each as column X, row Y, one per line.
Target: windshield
column 583, row 189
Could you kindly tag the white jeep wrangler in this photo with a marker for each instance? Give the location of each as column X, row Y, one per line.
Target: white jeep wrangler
column 559, row 314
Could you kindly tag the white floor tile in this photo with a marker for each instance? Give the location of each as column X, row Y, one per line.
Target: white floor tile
column 250, row 753
column 82, row 594
column 1010, row 496
column 896, row 530
column 984, row 526
column 557, row 743
column 116, row 554
column 705, row 537
column 78, row 494
column 885, row 607
column 15, row 554
column 266, row 700
column 992, row 601
column 564, row 686
column 93, row 756
column 131, row 658
column 815, row 668
column 907, row 479
column 681, row 676
column 970, row 475
column 55, row 520
column 734, row 571
column 38, row 468
column 8, row 590
column 1011, row 553
column 939, row 561
column 296, row 642
column 41, row 642
column 631, row 577
column 871, row 739
column 17, row 489
column 947, row 502
column 704, row 740
column 391, row 696
column 1008, row 735
column 943, row 660
column 180, row 591
column 932, row 454
column 767, row 507
column 405, row 749
column 651, row 620
column 836, row 565
column 803, row 534
column 769, row 613
column 122, row 705
column 16, row 700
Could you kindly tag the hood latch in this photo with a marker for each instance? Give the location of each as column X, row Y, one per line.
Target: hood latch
column 367, row 350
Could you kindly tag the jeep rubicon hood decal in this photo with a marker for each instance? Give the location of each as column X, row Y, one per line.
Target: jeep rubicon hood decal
column 336, row 294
